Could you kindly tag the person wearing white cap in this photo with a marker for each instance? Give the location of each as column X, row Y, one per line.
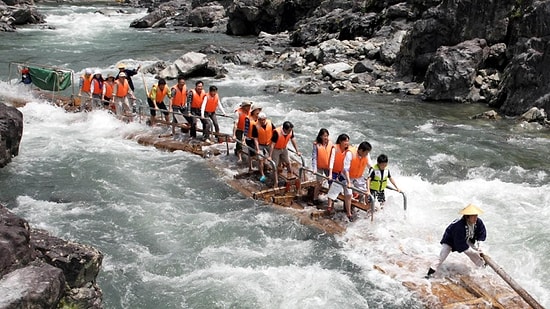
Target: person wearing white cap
column 463, row 235
column 121, row 92
column 262, row 133
column 85, row 87
column 96, row 89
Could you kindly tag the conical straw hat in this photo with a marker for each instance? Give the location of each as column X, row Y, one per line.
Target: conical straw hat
column 471, row 210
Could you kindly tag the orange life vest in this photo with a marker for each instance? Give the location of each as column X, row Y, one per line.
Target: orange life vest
column 211, row 103
column 339, row 157
column 323, row 155
column 122, row 88
column 282, row 140
column 108, row 89
column 357, row 166
column 160, row 94
column 250, row 126
column 86, row 83
column 242, row 117
column 179, row 96
column 197, row 99
column 97, row 88
column 264, row 134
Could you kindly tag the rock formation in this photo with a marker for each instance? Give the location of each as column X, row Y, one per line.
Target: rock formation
column 38, row 270
column 11, row 131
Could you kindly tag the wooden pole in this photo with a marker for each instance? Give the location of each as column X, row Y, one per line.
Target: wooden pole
column 513, row 284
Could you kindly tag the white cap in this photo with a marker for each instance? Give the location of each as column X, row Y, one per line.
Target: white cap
column 88, row 71
column 262, row 115
column 97, row 72
column 122, row 74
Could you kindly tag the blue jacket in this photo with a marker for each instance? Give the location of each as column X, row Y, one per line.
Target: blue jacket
column 455, row 234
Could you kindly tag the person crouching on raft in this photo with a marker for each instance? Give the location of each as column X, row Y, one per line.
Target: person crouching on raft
column 463, row 235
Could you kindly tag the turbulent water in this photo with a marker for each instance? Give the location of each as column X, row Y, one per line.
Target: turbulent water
column 175, row 235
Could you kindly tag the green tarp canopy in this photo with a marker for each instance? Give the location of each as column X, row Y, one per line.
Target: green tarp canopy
column 48, row 79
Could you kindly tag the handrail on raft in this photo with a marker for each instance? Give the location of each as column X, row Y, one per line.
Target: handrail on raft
column 367, row 194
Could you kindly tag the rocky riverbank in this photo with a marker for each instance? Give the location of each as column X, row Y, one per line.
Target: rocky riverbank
column 489, row 52
column 38, row 270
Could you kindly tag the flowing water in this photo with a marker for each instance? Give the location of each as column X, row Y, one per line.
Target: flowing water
column 174, row 235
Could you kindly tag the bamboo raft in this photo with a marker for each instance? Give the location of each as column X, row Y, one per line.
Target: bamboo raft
column 294, row 195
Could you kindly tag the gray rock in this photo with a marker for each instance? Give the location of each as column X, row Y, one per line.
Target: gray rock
column 11, row 131
column 453, row 70
column 310, row 88
column 337, row 71
column 35, row 287
column 186, row 65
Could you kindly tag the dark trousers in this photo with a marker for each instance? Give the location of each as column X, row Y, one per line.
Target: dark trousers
column 205, row 123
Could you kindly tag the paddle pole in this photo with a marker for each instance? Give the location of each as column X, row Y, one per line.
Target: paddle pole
column 513, row 284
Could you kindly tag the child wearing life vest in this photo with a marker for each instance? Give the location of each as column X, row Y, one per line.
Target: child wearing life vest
column 378, row 179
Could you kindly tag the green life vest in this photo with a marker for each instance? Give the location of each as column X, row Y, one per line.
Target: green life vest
column 379, row 182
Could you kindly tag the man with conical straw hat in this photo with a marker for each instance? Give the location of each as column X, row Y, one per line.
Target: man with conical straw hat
column 463, row 235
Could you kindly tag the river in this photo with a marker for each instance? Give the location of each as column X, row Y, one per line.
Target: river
column 174, row 235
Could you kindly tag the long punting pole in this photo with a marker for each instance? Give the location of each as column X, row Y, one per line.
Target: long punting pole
column 513, row 284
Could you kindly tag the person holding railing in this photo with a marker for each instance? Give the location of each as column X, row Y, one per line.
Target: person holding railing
column 339, row 166
column 121, row 91
column 85, row 89
column 96, row 89
column 241, row 113
column 249, row 123
column 378, row 179
column 178, row 99
column 262, row 133
column 278, row 151
column 209, row 106
column 320, row 159
column 155, row 99
column 195, row 97
column 107, row 92
column 359, row 163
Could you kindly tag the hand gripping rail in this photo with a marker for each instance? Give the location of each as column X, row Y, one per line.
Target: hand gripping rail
column 271, row 162
column 369, row 196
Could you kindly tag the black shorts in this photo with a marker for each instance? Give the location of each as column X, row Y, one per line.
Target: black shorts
column 160, row 105
column 250, row 143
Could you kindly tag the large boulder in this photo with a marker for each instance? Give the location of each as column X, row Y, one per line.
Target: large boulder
column 37, row 269
column 11, row 131
column 453, row 70
column 35, row 286
column 191, row 64
column 14, row 242
column 452, row 22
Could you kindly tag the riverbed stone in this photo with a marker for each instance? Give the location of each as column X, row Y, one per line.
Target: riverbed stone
column 11, row 131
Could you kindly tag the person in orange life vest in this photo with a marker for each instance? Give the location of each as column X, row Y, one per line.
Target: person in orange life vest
column 121, row 92
column 359, row 162
column 249, row 123
column 195, row 97
column 178, row 99
column 278, row 151
column 320, row 158
column 378, row 179
column 108, row 92
column 96, row 89
column 155, row 99
column 129, row 73
column 209, row 105
column 241, row 114
column 262, row 133
column 339, row 165
column 85, row 87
